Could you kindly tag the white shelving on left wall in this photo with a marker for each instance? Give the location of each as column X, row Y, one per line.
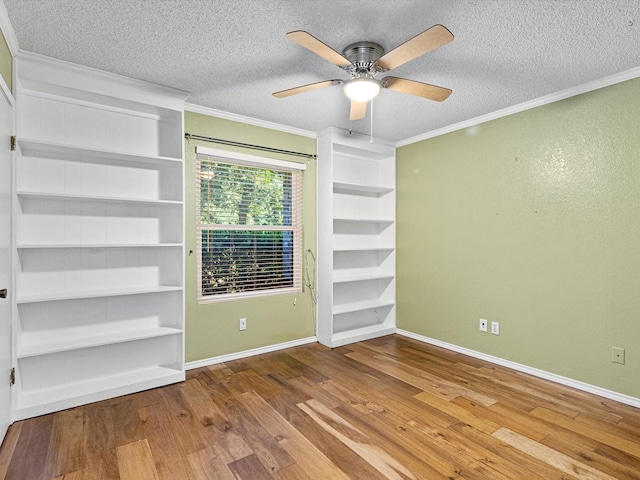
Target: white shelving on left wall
column 99, row 236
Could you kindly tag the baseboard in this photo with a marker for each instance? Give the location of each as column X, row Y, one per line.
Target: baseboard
column 585, row 387
column 248, row 353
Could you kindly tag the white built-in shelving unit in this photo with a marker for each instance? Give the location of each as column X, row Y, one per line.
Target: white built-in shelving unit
column 356, row 238
column 99, row 237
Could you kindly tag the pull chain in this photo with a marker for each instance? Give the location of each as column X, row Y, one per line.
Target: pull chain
column 371, row 140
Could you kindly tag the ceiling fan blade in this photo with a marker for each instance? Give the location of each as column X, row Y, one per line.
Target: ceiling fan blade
column 430, row 92
column 358, row 110
column 306, row 88
column 310, row 42
column 422, row 43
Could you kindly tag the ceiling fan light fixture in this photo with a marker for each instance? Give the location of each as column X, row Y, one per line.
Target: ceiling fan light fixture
column 361, row 89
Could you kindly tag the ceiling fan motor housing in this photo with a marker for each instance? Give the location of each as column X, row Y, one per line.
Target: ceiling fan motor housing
column 363, row 56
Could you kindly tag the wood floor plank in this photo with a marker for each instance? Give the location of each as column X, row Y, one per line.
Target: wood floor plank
column 292, row 472
column 77, row 475
column 207, row 464
column 135, row 461
column 457, row 412
column 65, row 449
column 354, row 439
column 163, row 436
column 127, row 425
column 98, row 442
column 589, row 452
column 387, row 408
column 310, row 459
column 509, row 417
column 249, row 468
column 8, row 447
column 213, row 426
column 505, row 457
column 420, row 379
column 266, row 447
column 399, row 442
column 549, row 456
column 30, row 453
column 591, row 430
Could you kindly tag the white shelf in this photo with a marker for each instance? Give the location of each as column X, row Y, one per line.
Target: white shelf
column 362, row 306
column 116, row 292
column 363, row 249
column 97, row 245
column 39, row 402
column 99, row 242
column 356, row 237
column 95, row 198
column 360, row 334
column 361, row 277
column 60, row 343
column 358, row 189
column 39, row 148
column 380, row 221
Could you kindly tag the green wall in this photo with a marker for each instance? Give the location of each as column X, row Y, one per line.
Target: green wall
column 6, row 62
column 212, row 329
column 531, row 220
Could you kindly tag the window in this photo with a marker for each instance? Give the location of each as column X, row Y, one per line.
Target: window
column 249, row 225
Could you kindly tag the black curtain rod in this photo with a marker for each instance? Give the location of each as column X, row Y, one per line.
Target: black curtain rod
column 231, row 143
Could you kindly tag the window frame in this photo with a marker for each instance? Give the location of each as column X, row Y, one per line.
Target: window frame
column 241, row 159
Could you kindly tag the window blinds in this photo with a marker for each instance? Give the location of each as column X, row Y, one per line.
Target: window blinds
column 249, row 228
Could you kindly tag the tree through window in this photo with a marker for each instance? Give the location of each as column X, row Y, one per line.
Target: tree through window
column 249, row 227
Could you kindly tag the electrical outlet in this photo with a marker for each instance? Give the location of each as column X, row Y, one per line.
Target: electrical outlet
column 295, row 301
column 495, row 328
column 617, row 355
column 242, row 325
column 483, row 325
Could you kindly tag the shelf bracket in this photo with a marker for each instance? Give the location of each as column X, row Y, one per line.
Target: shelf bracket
column 14, row 143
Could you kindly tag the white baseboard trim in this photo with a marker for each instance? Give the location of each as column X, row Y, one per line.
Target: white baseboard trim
column 248, row 353
column 585, row 387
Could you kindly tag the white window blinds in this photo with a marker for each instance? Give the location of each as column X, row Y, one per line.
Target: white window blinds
column 249, row 226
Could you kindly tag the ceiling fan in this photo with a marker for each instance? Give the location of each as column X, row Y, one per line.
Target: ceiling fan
column 364, row 60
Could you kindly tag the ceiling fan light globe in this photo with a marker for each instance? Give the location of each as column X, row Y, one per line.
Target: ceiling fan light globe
column 361, row 89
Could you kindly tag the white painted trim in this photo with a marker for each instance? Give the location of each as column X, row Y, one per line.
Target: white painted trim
column 569, row 382
column 40, row 68
column 250, row 159
column 211, row 112
column 6, row 92
column 7, row 30
column 248, row 353
column 538, row 102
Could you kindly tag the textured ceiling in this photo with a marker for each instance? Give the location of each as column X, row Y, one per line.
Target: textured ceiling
column 232, row 54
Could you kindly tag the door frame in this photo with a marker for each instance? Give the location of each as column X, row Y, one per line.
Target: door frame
column 8, row 101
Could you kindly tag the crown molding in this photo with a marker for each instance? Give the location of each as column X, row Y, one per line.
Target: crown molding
column 521, row 107
column 41, row 69
column 212, row 112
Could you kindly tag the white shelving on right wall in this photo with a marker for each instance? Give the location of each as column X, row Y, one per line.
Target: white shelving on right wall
column 356, row 238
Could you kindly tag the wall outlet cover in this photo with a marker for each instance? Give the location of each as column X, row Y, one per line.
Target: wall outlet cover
column 617, row 355
column 495, row 328
column 483, row 325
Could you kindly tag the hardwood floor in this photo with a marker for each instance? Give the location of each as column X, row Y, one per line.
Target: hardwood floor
column 389, row 408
